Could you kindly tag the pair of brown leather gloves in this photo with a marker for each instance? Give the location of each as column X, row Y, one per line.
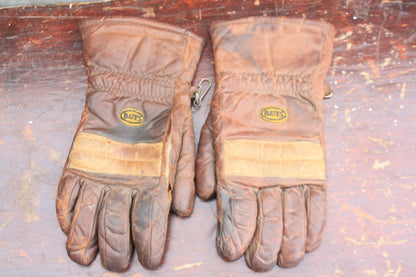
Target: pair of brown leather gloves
column 261, row 149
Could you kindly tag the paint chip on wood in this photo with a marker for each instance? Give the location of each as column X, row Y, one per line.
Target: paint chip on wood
column 380, row 165
column 149, row 12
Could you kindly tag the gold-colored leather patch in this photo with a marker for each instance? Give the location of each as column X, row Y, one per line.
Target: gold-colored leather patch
column 273, row 114
column 132, row 117
column 97, row 154
column 294, row 160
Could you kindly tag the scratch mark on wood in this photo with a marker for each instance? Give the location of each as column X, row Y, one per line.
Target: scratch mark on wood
column 402, row 72
column 5, row 223
column 384, row 143
column 351, row 90
column 370, row 272
column 186, row 266
column 35, row 41
column 379, row 37
column 410, row 38
column 337, row 59
column 363, row 215
column 121, row 8
column 403, row 92
column 344, row 36
column 391, row 1
column 391, row 272
column 338, row 271
column 381, row 242
column 409, row 187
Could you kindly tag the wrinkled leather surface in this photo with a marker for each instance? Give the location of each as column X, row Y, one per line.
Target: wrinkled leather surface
column 148, row 66
column 260, row 62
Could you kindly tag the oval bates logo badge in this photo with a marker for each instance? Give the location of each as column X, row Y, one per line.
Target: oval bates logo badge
column 273, row 114
column 132, row 117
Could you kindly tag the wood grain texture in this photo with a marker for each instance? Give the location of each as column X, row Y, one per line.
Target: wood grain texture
column 369, row 123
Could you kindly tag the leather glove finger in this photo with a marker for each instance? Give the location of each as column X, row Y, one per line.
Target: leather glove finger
column 114, row 238
column 66, row 197
column 316, row 212
column 205, row 162
column 183, row 193
column 262, row 253
column 82, row 243
column 237, row 213
column 149, row 219
column 294, row 227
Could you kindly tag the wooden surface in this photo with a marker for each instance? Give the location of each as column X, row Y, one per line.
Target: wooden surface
column 370, row 125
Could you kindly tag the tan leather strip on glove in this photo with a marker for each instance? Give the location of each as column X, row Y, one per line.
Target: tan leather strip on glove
column 98, row 154
column 265, row 159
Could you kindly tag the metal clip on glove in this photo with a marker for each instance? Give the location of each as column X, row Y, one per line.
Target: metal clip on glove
column 134, row 148
column 262, row 147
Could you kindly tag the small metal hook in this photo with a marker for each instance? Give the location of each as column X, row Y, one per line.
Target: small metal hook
column 328, row 92
column 198, row 96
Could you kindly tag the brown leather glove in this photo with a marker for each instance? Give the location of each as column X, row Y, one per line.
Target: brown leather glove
column 268, row 167
column 134, row 148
